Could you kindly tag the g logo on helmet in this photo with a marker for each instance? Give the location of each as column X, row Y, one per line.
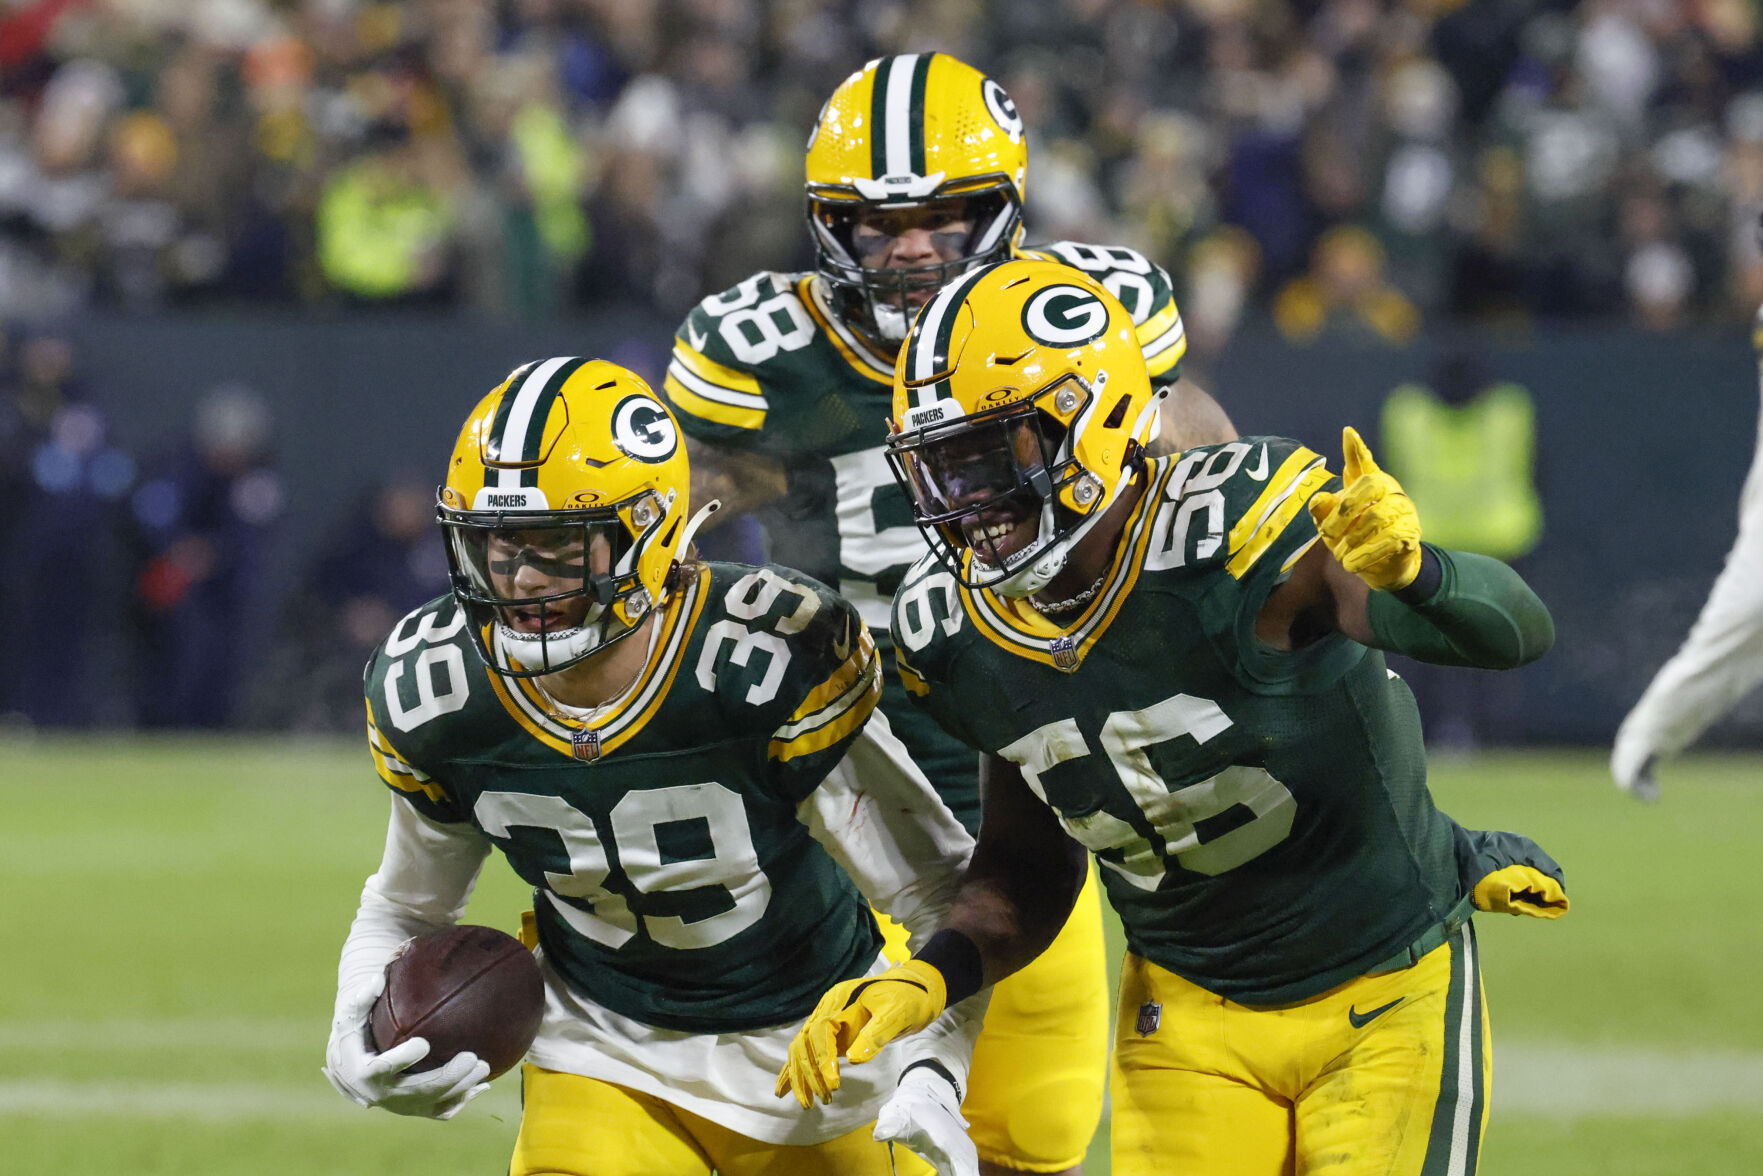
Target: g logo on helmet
column 642, row 429
column 1002, row 109
column 1065, row 316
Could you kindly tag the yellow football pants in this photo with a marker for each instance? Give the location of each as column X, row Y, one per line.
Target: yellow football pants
column 1034, row 1095
column 576, row 1126
column 1386, row 1075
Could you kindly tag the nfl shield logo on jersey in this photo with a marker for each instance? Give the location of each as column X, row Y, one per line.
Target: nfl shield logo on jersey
column 1064, row 651
column 1150, row 1016
column 585, row 743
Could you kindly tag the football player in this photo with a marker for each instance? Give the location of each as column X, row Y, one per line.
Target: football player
column 678, row 757
column 1175, row 664
column 916, row 174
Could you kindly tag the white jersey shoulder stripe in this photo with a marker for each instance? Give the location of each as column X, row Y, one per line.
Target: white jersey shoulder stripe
column 716, row 392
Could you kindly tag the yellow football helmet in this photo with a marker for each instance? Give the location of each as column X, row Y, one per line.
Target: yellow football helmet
column 563, row 510
column 1021, row 409
column 902, row 133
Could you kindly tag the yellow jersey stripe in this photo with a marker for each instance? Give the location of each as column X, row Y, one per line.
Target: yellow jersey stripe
column 1152, row 328
column 839, row 681
column 1278, row 486
column 911, row 678
column 1274, row 511
column 687, row 400
column 709, row 370
column 1163, row 354
column 850, row 719
column 671, row 651
column 519, row 715
column 392, row 768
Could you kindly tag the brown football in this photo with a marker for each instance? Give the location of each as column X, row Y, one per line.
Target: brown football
column 461, row 988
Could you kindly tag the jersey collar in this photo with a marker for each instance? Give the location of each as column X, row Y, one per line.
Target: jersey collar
column 856, row 351
column 1014, row 625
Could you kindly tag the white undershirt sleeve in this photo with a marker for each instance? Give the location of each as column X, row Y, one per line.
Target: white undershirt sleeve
column 425, row 878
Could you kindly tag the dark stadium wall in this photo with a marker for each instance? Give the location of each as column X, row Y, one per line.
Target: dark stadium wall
column 1644, row 442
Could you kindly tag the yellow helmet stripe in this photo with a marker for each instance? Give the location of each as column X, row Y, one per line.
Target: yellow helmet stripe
column 519, row 429
column 897, row 113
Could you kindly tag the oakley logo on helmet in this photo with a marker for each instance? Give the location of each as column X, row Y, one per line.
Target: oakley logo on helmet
column 1064, row 316
column 642, row 429
column 1003, row 110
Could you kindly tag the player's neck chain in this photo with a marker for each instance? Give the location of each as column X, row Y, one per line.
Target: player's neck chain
column 1063, row 606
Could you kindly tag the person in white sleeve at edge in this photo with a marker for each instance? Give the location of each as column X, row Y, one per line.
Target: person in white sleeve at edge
column 1721, row 660
column 685, row 761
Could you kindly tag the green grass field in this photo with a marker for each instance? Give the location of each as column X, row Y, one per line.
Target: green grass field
column 175, row 909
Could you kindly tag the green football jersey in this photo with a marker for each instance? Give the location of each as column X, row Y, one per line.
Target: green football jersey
column 769, row 367
column 673, row 881
column 1262, row 816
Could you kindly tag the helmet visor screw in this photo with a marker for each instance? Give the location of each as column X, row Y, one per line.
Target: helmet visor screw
column 1065, row 401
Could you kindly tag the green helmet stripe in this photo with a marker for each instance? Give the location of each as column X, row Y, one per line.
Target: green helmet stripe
column 878, row 119
column 532, row 447
column 920, row 76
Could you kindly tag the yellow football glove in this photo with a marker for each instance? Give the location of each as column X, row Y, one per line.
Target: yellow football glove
column 1371, row 526
column 1520, row 890
column 856, row 1018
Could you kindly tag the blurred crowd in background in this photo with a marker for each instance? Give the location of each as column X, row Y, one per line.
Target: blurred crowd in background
column 1350, row 164
column 1345, row 168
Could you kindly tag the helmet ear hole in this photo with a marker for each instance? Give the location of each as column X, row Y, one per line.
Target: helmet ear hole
column 1118, row 414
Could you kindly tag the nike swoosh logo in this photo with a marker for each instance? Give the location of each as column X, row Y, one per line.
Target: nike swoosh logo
column 695, row 338
column 1360, row 1020
column 842, row 647
column 1259, row 473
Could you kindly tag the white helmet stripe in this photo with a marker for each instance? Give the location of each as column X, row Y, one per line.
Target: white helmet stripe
column 899, row 107
column 513, row 437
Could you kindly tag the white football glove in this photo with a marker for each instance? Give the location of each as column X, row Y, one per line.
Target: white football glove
column 924, row 1114
column 1635, row 767
column 378, row 1080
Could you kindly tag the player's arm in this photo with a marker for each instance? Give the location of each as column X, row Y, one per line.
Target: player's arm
column 1019, row 889
column 742, row 480
column 880, row 819
column 1371, row 578
column 425, row 877
column 1509, row 874
column 883, row 822
column 722, row 408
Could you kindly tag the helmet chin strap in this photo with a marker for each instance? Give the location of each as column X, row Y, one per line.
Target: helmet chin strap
column 1051, row 561
column 553, row 650
column 698, row 519
column 890, row 322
